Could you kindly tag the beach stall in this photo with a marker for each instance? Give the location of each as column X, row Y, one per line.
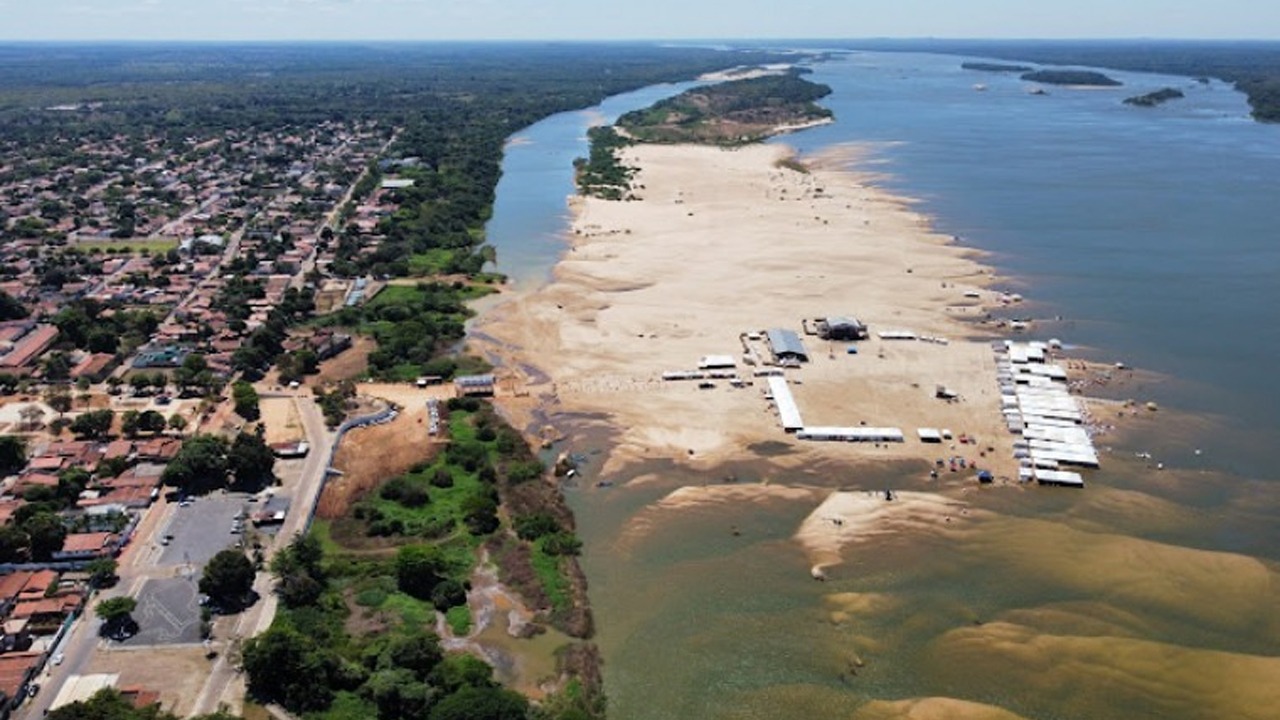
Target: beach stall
column 788, row 411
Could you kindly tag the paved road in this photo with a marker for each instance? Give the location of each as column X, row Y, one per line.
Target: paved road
column 258, row 618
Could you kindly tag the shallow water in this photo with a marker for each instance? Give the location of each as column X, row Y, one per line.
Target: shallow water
column 1152, row 593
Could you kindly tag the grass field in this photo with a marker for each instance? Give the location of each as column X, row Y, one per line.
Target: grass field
column 130, row 246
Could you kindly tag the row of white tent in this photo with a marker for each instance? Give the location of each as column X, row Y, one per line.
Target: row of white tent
column 1037, row 405
column 789, row 416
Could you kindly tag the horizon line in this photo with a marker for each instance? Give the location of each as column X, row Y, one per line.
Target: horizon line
column 690, row 40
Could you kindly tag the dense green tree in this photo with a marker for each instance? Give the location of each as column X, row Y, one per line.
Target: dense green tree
column 228, row 578
column 13, row 454
column 151, row 421
column 94, row 425
column 299, row 590
column 481, row 703
column 418, row 569
column 251, row 462
column 102, row 572
column 299, row 574
column 47, row 533
column 15, row 545
column 11, row 309
column 418, row 653
column 290, row 668
column 406, row 491
column 107, row 704
column 59, row 399
column 398, row 694
column 71, row 482
column 57, row 367
column 245, row 398
column 459, row 670
column 200, row 466
column 481, row 513
column 448, row 593
column 129, row 423
column 116, row 614
column 532, row 527
column 561, row 543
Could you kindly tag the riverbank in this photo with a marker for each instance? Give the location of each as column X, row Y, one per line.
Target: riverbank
column 727, row 242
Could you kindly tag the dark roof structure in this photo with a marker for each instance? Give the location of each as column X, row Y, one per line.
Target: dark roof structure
column 786, row 344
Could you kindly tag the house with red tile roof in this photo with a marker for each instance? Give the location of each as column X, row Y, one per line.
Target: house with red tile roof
column 35, row 479
column 20, row 358
column 129, row 496
column 87, row 546
column 16, row 671
column 38, row 584
column 48, row 610
column 117, row 449
column 160, row 449
column 47, row 463
column 93, row 366
column 11, row 586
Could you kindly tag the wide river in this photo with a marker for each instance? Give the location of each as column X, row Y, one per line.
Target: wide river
column 1151, row 233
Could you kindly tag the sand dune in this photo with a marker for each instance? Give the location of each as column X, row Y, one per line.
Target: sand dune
column 845, row 519
column 935, row 708
column 684, row 501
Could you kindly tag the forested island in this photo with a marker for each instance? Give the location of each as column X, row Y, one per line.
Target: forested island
column 730, row 113
column 995, row 67
column 1083, row 78
column 1152, row 99
column 1252, row 66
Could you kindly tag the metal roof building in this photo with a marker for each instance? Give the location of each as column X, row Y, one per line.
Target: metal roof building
column 786, row 344
column 474, row 384
column 842, row 328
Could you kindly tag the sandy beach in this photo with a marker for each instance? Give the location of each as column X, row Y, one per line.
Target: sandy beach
column 726, row 242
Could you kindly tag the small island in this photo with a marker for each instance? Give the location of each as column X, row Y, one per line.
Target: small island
column 737, row 112
column 1152, row 99
column 995, row 67
column 731, row 113
column 1086, row 78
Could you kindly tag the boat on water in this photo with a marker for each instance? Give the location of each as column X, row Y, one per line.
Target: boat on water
column 979, row 87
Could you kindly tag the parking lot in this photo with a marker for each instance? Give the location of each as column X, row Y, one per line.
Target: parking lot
column 202, row 529
column 168, row 612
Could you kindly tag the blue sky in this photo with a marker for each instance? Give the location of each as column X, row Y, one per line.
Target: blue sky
column 631, row 19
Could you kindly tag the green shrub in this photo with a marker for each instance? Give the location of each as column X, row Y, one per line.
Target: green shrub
column 561, row 543
column 532, row 527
